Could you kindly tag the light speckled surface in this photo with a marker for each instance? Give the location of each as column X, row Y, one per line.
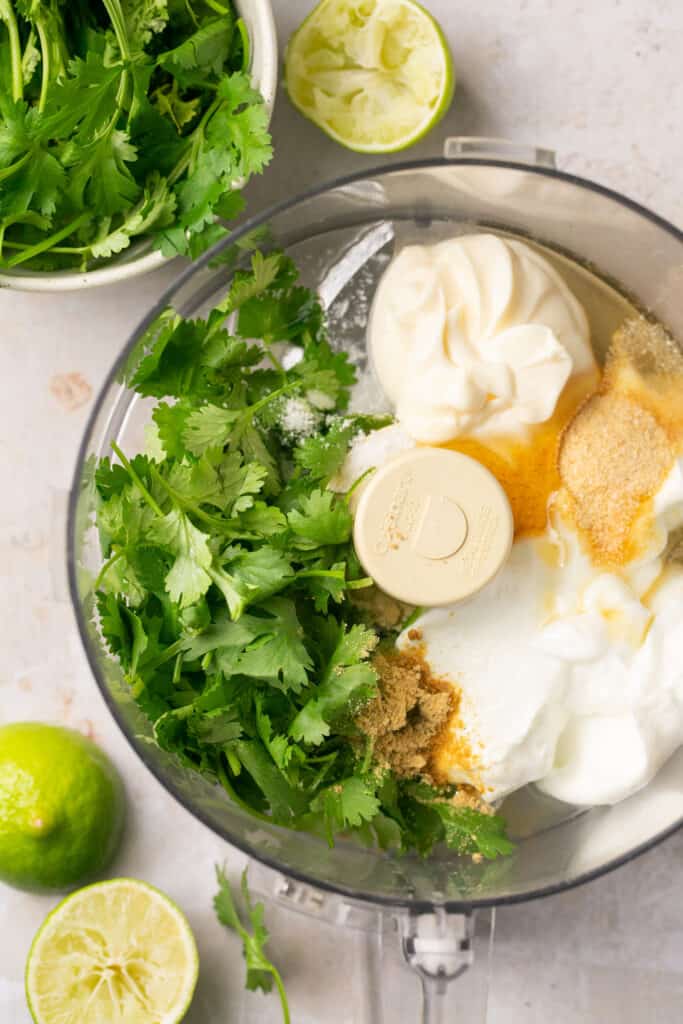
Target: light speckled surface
column 601, row 84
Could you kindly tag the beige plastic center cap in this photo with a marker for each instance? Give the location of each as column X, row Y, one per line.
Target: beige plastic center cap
column 432, row 526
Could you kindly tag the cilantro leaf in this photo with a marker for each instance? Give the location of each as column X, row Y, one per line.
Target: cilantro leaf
column 280, row 654
column 189, row 578
column 172, row 363
column 464, row 829
column 170, row 422
column 209, row 427
column 261, row 972
column 246, row 284
column 100, row 176
column 346, row 804
column 154, row 209
column 322, row 455
column 252, row 576
column 205, row 50
column 281, row 315
column 282, row 751
column 263, row 520
column 322, row 518
column 346, row 677
column 469, row 831
column 122, row 629
column 82, row 101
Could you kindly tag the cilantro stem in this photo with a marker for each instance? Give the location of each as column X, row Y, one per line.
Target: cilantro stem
column 323, row 759
column 136, row 479
column 335, row 574
column 413, row 617
column 190, row 11
column 229, row 527
column 190, row 506
column 281, row 992
column 16, row 166
column 113, row 8
column 262, row 402
column 170, row 652
column 246, row 43
column 47, row 243
column 273, row 358
column 309, row 574
column 7, row 15
column 55, row 248
column 358, row 481
column 106, row 567
column 116, row 16
column 359, row 584
column 218, row 8
column 46, row 67
column 194, row 140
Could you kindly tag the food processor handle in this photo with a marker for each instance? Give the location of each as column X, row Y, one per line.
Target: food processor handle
column 474, row 147
column 440, row 947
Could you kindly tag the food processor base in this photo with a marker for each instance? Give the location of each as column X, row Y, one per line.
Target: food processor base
column 438, row 946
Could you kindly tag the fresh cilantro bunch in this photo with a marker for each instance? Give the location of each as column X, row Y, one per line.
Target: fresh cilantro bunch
column 122, row 120
column 228, row 565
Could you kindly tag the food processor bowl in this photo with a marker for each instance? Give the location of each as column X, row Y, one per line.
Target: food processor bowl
column 341, row 236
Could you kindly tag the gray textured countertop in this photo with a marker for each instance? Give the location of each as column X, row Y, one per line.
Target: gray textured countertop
column 600, row 83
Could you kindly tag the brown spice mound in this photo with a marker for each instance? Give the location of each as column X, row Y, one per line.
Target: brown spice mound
column 614, row 456
column 409, row 714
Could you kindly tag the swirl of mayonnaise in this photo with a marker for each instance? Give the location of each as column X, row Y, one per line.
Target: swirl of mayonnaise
column 475, row 335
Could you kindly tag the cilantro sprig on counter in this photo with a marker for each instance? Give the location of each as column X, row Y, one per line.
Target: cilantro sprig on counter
column 228, row 571
column 121, row 120
column 261, row 971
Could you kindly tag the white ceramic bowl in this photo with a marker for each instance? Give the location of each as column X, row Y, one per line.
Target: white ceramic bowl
column 141, row 258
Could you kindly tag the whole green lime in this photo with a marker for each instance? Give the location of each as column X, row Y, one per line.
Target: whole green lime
column 61, row 807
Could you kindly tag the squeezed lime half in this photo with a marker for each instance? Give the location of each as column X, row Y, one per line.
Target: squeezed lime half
column 114, row 951
column 376, row 75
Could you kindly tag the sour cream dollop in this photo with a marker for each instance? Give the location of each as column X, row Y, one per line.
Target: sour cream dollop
column 475, row 335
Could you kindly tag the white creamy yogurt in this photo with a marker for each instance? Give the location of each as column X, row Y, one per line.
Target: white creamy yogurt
column 625, row 711
column 513, row 694
column 571, row 677
column 477, row 335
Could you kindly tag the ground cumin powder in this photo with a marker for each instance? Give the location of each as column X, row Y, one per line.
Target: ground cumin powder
column 411, row 719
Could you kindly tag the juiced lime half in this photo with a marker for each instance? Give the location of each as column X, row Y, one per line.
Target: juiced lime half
column 376, row 75
column 114, row 951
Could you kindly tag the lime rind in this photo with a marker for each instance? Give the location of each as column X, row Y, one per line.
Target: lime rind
column 375, row 75
column 60, row 828
column 103, row 930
